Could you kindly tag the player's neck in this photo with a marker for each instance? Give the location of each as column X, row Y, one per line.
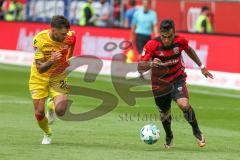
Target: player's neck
column 145, row 10
column 51, row 36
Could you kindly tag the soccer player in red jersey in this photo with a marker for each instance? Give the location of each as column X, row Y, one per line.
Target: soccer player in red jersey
column 163, row 56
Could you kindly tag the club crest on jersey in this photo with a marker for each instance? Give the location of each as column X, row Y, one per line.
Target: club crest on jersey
column 180, row 89
column 176, row 50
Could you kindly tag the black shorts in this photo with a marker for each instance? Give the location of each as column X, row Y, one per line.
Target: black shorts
column 179, row 90
column 141, row 40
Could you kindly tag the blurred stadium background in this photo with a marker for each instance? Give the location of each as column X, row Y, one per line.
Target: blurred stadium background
column 115, row 135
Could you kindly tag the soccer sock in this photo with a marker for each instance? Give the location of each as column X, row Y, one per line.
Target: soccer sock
column 43, row 123
column 166, row 119
column 189, row 115
column 50, row 104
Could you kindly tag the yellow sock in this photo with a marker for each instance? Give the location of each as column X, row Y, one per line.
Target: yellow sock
column 50, row 104
column 43, row 124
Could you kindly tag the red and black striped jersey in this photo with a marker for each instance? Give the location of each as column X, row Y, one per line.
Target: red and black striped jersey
column 172, row 63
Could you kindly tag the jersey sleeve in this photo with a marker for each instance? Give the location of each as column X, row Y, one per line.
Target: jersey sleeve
column 134, row 20
column 148, row 50
column 37, row 49
column 71, row 39
column 184, row 44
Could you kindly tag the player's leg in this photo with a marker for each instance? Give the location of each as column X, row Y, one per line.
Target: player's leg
column 39, row 107
column 182, row 100
column 60, row 102
column 141, row 40
column 59, row 90
column 51, row 115
column 164, row 105
column 139, row 44
column 190, row 116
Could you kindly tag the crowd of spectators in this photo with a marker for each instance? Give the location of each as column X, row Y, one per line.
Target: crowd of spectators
column 114, row 14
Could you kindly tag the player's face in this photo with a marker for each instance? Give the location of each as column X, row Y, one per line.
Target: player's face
column 145, row 4
column 59, row 34
column 167, row 37
column 208, row 13
column 102, row 1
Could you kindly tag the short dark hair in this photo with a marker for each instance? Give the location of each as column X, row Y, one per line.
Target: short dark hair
column 60, row 21
column 205, row 8
column 166, row 25
column 132, row 2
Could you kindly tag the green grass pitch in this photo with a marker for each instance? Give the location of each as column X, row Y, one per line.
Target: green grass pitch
column 115, row 136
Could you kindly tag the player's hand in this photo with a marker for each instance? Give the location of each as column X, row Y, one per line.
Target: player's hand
column 206, row 73
column 55, row 56
column 156, row 62
column 132, row 41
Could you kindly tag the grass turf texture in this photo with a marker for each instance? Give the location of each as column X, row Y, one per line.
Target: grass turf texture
column 116, row 134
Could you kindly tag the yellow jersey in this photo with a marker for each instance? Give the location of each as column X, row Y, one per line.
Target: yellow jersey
column 44, row 46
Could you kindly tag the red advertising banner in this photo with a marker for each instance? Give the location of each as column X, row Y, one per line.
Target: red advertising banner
column 90, row 40
column 185, row 13
column 219, row 53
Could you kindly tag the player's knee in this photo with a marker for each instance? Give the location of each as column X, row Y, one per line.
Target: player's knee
column 40, row 112
column 60, row 108
column 60, row 111
column 39, row 115
column 184, row 105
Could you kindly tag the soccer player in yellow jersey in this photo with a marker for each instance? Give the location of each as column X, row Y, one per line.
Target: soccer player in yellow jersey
column 53, row 47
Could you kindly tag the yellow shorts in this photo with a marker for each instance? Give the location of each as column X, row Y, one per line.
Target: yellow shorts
column 45, row 89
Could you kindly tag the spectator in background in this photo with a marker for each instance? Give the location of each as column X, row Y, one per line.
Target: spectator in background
column 203, row 24
column 87, row 17
column 14, row 11
column 1, row 10
column 103, row 16
column 116, row 13
column 144, row 24
column 129, row 14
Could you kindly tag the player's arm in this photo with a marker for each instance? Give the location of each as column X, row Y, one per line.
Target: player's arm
column 126, row 23
column 133, row 29
column 192, row 54
column 146, row 62
column 71, row 51
column 155, row 26
column 155, row 30
column 144, row 66
column 72, row 45
column 73, row 42
column 43, row 66
column 126, row 20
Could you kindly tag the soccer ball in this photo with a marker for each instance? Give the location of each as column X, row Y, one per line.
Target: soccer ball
column 149, row 134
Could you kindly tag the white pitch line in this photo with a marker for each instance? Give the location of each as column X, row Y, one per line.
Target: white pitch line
column 15, row 102
column 229, row 95
column 214, row 93
column 108, row 79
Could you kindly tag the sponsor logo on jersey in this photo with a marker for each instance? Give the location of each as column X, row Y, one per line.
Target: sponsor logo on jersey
column 180, row 89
